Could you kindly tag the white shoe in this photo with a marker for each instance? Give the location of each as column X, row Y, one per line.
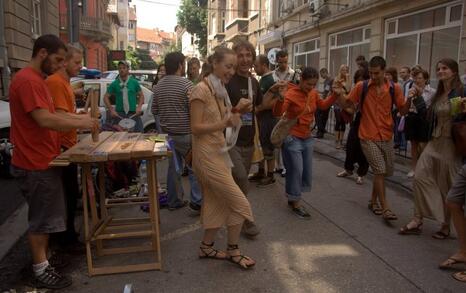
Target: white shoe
column 410, row 174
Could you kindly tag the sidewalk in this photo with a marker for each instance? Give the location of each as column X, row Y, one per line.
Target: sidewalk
column 343, row 248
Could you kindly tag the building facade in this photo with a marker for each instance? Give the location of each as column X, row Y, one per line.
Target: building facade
column 95, row 30
column 322, row 33
column 132, row 25
column 21, row 22
column 156, row 41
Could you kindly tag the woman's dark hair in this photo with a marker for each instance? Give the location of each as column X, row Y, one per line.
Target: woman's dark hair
column 308, row 73
column 393, row 72
column 219, row 54
column 424, row 73
column 51, row 43
column 360, row 74
column 172, row 62
column 157, row 77
column 456, row 82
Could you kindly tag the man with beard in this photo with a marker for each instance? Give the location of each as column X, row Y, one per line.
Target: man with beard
column 241, row 153
column 64, row 101
column 34, row 126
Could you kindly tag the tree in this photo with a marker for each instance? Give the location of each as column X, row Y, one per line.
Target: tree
column 192, row 15
column 146, row 61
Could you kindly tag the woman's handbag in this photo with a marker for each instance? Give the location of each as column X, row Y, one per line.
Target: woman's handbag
column 283, row 127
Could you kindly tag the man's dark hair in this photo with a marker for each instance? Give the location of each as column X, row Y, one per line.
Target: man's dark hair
column 378, row 61
column 263, row 60
column 51, row 43
column 173, row 61
column 323, row 70
column 360, row 58
column 244, row 44
column 308, row 73
column 281, row 54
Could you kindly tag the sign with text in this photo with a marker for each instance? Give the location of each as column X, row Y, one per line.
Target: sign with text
column 117, row 55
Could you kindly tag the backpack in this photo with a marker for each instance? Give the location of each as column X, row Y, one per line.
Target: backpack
column 365, row 88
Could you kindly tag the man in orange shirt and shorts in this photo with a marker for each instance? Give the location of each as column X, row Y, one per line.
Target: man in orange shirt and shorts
column 64, row 102
column 376, row 127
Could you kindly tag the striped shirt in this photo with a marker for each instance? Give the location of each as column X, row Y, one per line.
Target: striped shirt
column 171, row 104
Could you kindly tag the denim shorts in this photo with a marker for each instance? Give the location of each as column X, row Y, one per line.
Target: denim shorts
column 43, row 191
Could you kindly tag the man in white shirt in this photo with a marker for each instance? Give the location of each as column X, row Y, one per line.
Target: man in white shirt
column 283, row 71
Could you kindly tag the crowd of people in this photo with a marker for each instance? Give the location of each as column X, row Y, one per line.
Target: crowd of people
column 222, row 120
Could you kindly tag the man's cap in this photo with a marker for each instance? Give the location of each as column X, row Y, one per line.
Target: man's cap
column 124, row 62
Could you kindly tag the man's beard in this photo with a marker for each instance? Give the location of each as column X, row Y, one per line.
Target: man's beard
column 46, row 67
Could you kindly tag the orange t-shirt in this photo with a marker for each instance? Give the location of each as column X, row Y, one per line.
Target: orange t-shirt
column 63, row 99
column 295, row 102
column 376, row 119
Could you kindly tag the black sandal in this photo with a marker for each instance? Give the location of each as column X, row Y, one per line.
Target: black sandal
column 212, row 251
column 241, row 257
column 440, row 235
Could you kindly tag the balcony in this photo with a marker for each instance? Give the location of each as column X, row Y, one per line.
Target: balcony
column 96, row 28
column 237, row 28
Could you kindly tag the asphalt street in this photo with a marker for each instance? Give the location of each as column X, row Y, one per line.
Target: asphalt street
column 343, row 248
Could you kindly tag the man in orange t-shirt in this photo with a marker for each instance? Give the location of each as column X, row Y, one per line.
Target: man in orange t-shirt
column 64, row 102
column 376, row 127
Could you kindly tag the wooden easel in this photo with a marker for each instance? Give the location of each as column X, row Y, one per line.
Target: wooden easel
column 99, row 229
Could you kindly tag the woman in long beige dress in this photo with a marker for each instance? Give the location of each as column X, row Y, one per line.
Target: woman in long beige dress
column 224, row 204
column 439, row 163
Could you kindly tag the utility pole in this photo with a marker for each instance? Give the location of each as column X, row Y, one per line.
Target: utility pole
column 73, row 20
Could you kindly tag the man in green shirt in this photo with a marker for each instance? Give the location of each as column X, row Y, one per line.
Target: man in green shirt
column 128, row 98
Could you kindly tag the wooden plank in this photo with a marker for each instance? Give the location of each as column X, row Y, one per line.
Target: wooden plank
column 93, row 96
column 143, row 148
column 79, row 152
column 127, row 227
column 160, row 149
column 125, row 269
column 130, row 249
column 133, row 234
column 100, row 153
column 122, row 151
column 86, row 140
column 59, row 163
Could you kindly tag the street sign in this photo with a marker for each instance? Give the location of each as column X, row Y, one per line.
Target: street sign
column 117, row 55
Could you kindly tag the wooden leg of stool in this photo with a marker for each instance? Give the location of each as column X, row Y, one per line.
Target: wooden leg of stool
column 84, row 176
column 154, row 209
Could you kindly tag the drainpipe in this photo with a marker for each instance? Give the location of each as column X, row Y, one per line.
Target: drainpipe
column 4, row 53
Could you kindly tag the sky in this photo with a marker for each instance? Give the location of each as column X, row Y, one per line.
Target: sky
column 154, row 14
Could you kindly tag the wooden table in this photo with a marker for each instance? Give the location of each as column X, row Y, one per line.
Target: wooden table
column 115, row 146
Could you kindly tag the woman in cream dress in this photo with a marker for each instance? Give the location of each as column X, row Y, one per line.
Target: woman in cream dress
column 439, row 163
column 223, row 202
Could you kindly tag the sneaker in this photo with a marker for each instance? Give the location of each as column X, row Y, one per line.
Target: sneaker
column 283, row 173
column 278, row 171
column 178, row 206
column 301, row 212
column 256, row 177
column 194, row 209
column 250, row 229
column 51, row 279
column 266, row 181
column 359, row 180
column 410, row 174
column 344, row 173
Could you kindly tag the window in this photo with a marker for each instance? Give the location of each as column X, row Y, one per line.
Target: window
column 131, row 25
column 222, row 27
column 213, row 29
column 307, row 54
column 346, row 46
column 36, row 20
column 131, row 38
column 424, row 37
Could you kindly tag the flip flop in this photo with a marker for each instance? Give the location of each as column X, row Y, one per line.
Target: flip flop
column 388, row 215
column 440, row 235
column 459, row 276
column 374, row 208
column 449, row 263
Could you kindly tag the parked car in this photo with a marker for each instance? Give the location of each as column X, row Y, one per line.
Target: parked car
column 100, row 85
column 145, row 77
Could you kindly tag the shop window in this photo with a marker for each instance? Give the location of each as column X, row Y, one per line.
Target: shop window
column 307, row 54
column 36, row 19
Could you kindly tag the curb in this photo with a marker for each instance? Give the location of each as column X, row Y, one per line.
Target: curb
column 326, row 148
column 13, row 229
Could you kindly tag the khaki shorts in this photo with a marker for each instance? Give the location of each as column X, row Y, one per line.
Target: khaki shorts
column 457, row 193
column 380, row 155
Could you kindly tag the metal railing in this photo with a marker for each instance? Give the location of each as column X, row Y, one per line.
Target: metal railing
column 88, row 23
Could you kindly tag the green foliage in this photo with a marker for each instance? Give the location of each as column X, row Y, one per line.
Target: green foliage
column 146, row 61
column 192, row 15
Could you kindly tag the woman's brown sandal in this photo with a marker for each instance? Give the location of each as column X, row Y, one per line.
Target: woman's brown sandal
column 210, row 252
column 375, row 208
column 414, row 230
column 388, row 215
column 238, row 259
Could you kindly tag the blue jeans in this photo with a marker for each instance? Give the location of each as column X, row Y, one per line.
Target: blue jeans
column 297, row 158
column 182, row 145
